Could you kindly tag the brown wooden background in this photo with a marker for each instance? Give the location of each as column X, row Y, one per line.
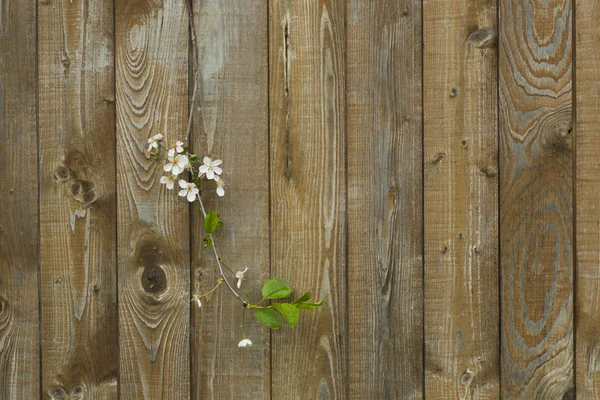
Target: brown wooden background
column 413, row 161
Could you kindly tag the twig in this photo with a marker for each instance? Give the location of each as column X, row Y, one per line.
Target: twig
column 194, row 68
column 244, row 302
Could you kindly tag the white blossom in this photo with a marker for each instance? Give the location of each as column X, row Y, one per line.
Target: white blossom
column 188, row 189
column 210, row 167
column 220, row 186
column 176, row 149
column 177, row 164
column 153, row 141
column 196, row 298
column 168, row 180
column 245, row 343
column 240, row 277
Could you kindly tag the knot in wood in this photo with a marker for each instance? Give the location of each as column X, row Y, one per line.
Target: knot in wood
column 77, row 391
column 154, row 279
column 466, row 378
column 89, row 197
column 2, row 304
column 454, row 92
column 56, row 393
column 482, row 38
column 62, row 173
column 76, row 187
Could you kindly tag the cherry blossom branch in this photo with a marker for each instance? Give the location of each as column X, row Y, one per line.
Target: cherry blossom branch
column 217, row 258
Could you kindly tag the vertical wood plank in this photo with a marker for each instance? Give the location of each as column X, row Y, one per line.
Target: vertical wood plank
column 587, row 218
column 77, row 199
column 153, row 223
column 19, row 312
column 536, row 193
column 385, row 194
column 308, row 190
column 461, row 200
column 231, row 123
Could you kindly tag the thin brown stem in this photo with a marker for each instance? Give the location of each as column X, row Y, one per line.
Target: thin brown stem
column 218, row 259
column 194, row 68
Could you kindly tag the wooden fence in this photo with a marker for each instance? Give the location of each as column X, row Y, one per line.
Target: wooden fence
column 411, row 161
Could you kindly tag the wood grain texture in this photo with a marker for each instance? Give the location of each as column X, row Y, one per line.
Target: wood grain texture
column 385, row 197
column 231, row 123
column 153, row 223
column 308, row 192
column 587, row 216
column 536, row 198
column 461, row 200
column 19, row 312
column 77, row 199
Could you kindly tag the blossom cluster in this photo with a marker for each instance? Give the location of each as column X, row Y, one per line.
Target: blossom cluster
column 178, row 161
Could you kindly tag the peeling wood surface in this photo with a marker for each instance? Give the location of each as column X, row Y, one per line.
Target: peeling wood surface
column 308, row 192
column 536, row 198
column 19, row 299
column 385, row 197
column 153, row 226
column 232, row 97
column 412, row 161
column 461, row 200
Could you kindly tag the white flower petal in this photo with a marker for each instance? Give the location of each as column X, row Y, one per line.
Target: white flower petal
column 245, row 343
column 239, row 283
column 182, row 160
column 217, row 170
column 198, row 303
column 240, row 274
column 168, row 167
column 207, row 161
column 177, row 169
column 158, row 137
column 170, row 185
column 183, row 184
column 191, row 196
column 203, row 169
column 183, row 193
column 194, row 190
column 220, row 192
column 210, row 174
column 217, row 162
column 171, row 152
column 164, row 179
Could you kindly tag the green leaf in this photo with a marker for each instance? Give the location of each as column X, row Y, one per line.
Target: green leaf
column 268, row 317
column 207, row 241
column 211, row 222
column 310, row 306
column 193, row 158
column 290, row 312
column 306, row 296
column 276, row 289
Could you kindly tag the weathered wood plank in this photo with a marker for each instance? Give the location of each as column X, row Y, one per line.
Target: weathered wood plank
column 308, row 189
column 385, row 195
column 19, row 312
column 536, row 198
column 587, row 216
column 231, row 123
column 153, row 223
column 461, row 200
column 77, row 199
